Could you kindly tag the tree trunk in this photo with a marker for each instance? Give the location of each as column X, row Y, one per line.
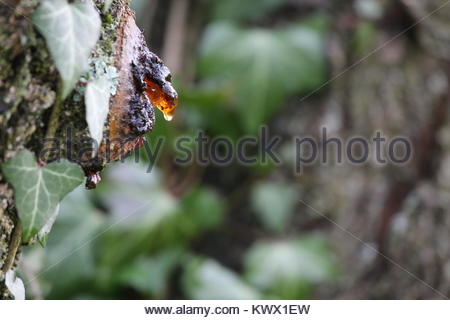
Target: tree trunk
column 28, row 92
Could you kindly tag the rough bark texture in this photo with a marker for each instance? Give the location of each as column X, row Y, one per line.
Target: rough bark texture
column 28, row 85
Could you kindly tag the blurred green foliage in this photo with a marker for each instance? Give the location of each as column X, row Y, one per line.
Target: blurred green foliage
column 289, row 269
column 207, row 279
column 259, row 68
column 237, row 10
column 134, row 237
column 275, row 204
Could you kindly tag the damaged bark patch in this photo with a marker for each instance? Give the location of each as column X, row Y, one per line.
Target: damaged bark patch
column 142, row 116
column 131, row 109
column 154, row 78
column 144, row 82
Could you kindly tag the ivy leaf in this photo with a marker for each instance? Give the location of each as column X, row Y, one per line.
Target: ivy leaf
column 71, row 32
column 15, row 285
column 274, row 203
column 38, row 190
column 74, row 231
column 290, row 269
column 151, row 275
column 97, row 107
column 259, row 68
column 45, row 230
column 207, row 279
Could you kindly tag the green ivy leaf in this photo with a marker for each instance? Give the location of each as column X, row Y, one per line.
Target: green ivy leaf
column 151, row 275
column 274, row 203
column 259, row 68
column 74, row 232
column 45, row 230
column 71, row 32
column 38, row 190
column 207, row 279
column 290, row 269
column 97, row 107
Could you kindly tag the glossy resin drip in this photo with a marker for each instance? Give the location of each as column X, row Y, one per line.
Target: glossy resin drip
column 162, row 97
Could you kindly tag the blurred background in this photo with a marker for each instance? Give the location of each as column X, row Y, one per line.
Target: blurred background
column 254, row 232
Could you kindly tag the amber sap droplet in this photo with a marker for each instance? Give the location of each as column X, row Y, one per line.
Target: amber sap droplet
column 164, row 101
